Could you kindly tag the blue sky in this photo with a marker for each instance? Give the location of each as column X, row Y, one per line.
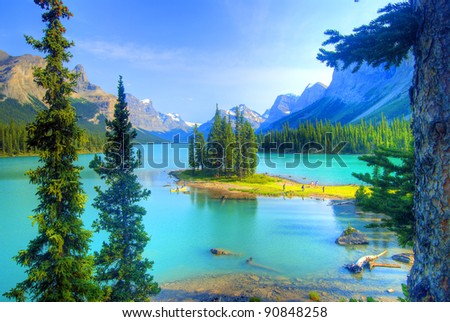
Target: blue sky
column 186, row 56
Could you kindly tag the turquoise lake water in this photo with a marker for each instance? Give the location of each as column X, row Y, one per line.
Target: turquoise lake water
column 294, row 237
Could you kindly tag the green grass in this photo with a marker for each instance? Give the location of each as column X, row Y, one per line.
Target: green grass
column 350, row 230
column 264, row 185
column 254, row 299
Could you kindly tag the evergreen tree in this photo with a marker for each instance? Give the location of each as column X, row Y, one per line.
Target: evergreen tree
column 215, row 143
column 386, row 40
column 391, row 191
column 249, row 148
column 199, row 151
column 237, row 132
column 121, row 268
column 229, row 145
column 191, row 153
column 57, row 263
column 420, row 25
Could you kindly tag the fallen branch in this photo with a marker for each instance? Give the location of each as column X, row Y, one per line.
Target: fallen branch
column 252, row 263
column 221, row 252
column 372, row 265
column 363, row 261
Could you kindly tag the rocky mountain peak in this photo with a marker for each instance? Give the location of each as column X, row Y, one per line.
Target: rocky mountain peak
column 254, row 118
column 311, row 94
column 82, row 77
column 3, row 55
column 16, row 77
column 368, row 93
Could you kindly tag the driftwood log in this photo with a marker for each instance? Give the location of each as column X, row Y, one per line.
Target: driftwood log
column 372, row 265
column 267, row 268
column 222, row 252
column 362, row 262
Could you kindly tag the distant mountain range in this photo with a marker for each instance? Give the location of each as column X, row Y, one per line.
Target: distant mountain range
column 20, row 98
column 288, row 104
column 253, row 117
column 367, row 94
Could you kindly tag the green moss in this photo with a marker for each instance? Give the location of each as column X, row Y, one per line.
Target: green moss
column 369, row 299
column 314, row 296
column 254, row 299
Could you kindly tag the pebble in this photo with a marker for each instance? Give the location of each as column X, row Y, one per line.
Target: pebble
column 255, row 278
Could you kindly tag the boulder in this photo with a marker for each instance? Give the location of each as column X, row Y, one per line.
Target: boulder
column 407, row 258
column 352, row 236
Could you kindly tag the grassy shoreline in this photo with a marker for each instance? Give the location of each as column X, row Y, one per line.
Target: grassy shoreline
column 260, row 185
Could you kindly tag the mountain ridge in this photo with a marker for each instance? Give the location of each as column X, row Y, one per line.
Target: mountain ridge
column 254, row 118
column 350, row 97
column 20, row 95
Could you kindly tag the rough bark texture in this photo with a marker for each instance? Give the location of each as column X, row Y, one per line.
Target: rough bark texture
column 431, row 125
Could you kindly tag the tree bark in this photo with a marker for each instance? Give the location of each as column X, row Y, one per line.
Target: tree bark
column 429, row 276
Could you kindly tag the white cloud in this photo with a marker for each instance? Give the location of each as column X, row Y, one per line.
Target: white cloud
column 135, row 54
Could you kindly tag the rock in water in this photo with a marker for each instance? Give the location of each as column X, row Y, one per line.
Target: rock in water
column 352, row 236
column 404, row 258
column 219, row 252
column 354, row 268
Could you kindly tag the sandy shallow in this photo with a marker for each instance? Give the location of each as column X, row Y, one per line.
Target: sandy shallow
column 241, row 287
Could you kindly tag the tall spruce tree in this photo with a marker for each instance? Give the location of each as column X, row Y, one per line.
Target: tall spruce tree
column 121, row 268
column 57, row 263
column 191, row 153
column 229, row 145
column 215, row 143
column 391, row 191
column 420, row 25
column 249, row 148
column 238, row 134
column 199, row 148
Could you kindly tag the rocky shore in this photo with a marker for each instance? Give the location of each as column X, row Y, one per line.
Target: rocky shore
column 245, row 287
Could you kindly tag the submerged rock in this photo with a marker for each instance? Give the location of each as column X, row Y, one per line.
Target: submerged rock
column 352, row 236
column 220, row 252
column 407, row 258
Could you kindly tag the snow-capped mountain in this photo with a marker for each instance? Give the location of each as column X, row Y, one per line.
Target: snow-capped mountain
column 351, row 96
column 144, row 116
column 253, row 117
column 286, row 104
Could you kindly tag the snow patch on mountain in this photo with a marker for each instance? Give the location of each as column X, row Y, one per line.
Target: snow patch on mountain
column 174, row 116
column 192, row 124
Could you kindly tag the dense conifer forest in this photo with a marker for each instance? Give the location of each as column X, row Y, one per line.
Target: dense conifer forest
column 361, row 138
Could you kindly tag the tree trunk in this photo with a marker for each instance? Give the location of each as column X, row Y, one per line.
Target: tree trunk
column 429, row 276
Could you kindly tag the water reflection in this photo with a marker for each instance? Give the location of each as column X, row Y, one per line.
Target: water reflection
column 294, row 236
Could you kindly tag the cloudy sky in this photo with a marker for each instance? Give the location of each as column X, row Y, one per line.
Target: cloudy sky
column 188, row 55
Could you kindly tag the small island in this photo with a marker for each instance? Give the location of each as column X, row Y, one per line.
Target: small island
column 252, row 186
